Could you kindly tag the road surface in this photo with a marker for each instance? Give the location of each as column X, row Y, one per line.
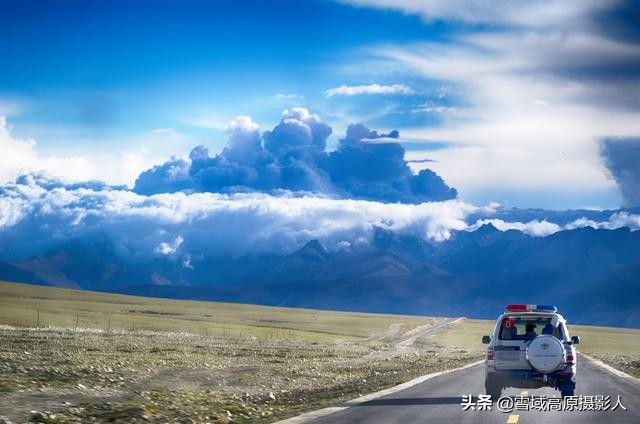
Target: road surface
column 408, row 338
column 438, row 400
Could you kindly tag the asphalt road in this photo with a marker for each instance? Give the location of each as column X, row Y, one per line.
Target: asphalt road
column 438, row 400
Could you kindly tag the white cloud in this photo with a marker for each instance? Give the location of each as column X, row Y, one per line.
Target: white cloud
column 186, row 227
column 534, row 228
column 168, row 249
column 430, row 108
column 543, row 228
column 617, row 220
column 125, row 158
column 209, row 223
column 530, row 101
column 354, row 90
column 241, row 124
column 126, row 168
column 20, row 156
column 290, row 96
column 163, row 131
column 538, row 13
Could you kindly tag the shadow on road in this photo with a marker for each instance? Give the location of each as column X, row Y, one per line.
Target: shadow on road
column 413, row 401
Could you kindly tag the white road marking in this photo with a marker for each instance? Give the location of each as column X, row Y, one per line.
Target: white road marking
column 309, row 416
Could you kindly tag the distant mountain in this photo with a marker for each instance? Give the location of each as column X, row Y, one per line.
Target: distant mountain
column 592, row 275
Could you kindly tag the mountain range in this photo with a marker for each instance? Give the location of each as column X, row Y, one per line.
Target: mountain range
column 592, row 275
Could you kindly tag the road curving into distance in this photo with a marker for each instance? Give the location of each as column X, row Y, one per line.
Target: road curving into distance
column 412, row 335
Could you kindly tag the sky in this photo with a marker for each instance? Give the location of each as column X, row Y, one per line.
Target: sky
column 534, row 104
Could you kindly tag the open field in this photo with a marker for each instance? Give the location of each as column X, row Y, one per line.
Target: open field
column 104, row 357
column 36, row 306
column 84, row 375
column 185, row 360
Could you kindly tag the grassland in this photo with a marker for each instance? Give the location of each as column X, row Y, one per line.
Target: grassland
column 73, row 356
column 55, row 375
column 36, row 306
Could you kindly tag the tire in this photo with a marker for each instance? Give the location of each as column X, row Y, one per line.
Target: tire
column 493, row 389
column 567, row 389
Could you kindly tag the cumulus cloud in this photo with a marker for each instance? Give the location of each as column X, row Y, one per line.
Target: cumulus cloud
column 368, row 168
column 354, row 90
column 169, row 177
column 622, row 158
column 292, row 156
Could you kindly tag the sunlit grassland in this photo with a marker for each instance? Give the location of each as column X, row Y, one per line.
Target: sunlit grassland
column 24, row 305
column 607, row 339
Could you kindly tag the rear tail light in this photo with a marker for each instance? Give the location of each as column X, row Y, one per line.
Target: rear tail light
column 569, row 357
column 490, row 355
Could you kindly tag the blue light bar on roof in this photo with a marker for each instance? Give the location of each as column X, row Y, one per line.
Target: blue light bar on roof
column 546, row 308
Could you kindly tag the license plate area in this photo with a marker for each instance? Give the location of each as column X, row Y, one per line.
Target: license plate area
column 507, row 355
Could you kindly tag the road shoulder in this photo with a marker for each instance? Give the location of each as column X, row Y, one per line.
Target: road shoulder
column 611, row 369
column 309, row 416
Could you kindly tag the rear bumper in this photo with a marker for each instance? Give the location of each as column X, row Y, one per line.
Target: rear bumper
column 530, row 379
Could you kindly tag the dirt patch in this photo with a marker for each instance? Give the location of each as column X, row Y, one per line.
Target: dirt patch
column 392, row 331
column 624, row 362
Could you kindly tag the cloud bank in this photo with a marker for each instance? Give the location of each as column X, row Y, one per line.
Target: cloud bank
column 293, row 156
column 39, row 214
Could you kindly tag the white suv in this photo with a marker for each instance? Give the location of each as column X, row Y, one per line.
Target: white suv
column 530, row 348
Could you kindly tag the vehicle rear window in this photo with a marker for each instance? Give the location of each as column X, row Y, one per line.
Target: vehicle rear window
column 515, row 328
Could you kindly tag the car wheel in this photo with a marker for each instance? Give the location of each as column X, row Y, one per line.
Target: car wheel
column 567, row 389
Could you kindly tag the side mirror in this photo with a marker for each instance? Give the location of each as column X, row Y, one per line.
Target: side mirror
column 575, row 340
column 486, row 339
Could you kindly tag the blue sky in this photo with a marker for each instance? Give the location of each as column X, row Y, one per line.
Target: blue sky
column 510, row 102
column 143, row 65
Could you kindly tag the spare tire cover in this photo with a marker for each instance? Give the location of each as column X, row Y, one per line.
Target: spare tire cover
column 545, row 353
